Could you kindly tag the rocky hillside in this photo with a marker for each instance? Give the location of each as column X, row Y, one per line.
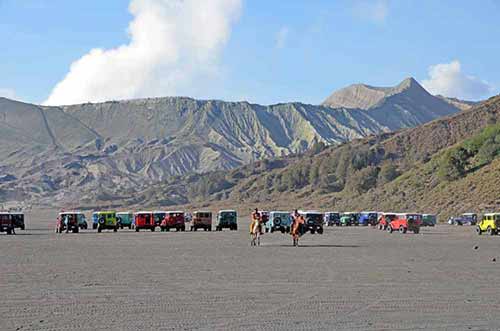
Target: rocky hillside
column 105, row 151
column 461, row 104
column 447, row 166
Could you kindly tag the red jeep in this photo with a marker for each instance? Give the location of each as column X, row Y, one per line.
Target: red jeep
column 385, row 219
column 173, row 220
column 144, row 220
column 405, row 222
column 6, row 223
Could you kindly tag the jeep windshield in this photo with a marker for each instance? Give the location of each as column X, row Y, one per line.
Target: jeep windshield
column 282, row 216
column 146, row 217
column 5, row 219
column 333, row 217
column 159, row 216
column 314, row 218
column 228, row 217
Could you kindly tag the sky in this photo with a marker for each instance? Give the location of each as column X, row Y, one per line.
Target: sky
column 62, row 52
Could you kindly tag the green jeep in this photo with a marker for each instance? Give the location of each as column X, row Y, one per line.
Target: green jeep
column 227, row 219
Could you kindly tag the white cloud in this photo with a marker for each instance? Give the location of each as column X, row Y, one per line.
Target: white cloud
column 448, row 79
column 7, row 93
column 174, row 45
column 282, row 37
column 372, row 10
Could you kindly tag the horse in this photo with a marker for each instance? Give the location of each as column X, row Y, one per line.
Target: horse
column 296, row 229
column 255, row 233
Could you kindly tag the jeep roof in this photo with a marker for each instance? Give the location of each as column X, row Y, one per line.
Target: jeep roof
column 70, row 212
column 143, row 212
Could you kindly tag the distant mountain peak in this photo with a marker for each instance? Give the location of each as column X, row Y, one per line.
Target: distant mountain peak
column 362, row 96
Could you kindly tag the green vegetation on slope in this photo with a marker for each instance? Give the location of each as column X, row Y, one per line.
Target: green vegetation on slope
column 446, row 166
column 471, row 154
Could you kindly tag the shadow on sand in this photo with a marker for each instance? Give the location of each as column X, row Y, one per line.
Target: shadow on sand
column 435, row 233
column 314, row 246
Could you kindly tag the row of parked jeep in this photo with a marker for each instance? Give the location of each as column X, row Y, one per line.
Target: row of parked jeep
column 146, row 220
column 273, row 221
column 390, row 222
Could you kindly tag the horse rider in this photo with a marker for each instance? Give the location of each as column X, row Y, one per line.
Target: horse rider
column 256, row 220
column 298, row 223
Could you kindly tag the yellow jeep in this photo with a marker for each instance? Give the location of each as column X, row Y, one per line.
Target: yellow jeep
column 490, row 223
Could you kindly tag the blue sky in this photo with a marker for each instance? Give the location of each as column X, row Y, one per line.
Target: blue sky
column 263, row 51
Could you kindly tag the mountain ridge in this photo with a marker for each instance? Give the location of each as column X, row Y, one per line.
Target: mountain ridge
column 405, row 170
column 122, row 146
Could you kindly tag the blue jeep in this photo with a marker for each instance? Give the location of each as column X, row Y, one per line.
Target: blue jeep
column 368, row 218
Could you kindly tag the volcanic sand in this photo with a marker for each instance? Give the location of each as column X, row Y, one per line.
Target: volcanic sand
column 356, row 278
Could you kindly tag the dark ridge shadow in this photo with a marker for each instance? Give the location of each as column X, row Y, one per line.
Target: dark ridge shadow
column 26, row 234
column 313, row 246
column 435, row 233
